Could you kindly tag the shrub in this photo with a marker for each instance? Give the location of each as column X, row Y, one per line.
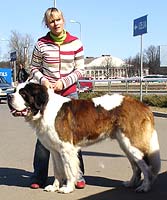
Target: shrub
column 149, row 99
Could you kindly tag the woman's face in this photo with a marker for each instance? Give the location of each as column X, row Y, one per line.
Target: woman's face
column 56, row 25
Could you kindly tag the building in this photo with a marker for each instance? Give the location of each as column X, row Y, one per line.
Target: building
column 108, row 67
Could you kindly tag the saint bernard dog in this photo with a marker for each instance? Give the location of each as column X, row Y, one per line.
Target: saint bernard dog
column 65, row 125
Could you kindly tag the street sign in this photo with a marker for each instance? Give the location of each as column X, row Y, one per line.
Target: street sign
column 13, row 56
column 140, row 26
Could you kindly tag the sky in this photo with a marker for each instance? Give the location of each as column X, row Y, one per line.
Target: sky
column 106, row 26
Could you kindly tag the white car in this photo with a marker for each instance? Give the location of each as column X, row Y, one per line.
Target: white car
column 5, row 88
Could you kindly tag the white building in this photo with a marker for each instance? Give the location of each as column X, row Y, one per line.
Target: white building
column 105, row 67
column 110, row 67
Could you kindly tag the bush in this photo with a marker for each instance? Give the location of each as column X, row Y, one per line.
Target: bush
column 155, row 100
column 150, row 100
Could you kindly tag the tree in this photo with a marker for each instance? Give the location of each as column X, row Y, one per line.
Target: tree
column 152, row 59
column 134, row 65
column 22, row 44
column 4, row 64
column 107, row 64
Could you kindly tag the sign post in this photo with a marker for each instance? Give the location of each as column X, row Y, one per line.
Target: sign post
column 13, row 57
column 139, row 28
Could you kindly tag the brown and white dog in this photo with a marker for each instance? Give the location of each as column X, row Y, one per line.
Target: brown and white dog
column 65, row 125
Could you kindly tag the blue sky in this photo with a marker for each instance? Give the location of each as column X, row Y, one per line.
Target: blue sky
column 106, row 26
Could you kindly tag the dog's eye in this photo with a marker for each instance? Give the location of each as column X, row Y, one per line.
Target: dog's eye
column 14, row 90
column 22, row 94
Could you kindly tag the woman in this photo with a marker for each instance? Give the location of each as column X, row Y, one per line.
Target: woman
column 58, row 63
column 22, row 74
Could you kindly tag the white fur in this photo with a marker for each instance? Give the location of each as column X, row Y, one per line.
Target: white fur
column 154, row 145
column 52, row 142
column 19, row 103
column 136, row 156
column 108, row 102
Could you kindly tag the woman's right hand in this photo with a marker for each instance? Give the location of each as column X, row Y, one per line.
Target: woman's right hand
column 47, row 83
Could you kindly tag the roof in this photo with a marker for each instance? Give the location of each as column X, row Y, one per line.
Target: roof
column 104, row 60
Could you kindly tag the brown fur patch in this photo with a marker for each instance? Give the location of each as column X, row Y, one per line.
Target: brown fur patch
column 80, row 122
column 79, row 119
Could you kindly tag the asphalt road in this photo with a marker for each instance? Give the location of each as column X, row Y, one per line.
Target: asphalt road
column 106, row 166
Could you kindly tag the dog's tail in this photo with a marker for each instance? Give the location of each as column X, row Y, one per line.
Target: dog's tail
column 154, row 155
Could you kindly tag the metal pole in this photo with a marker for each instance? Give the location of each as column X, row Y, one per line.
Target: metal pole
column 14, row 71
column 25, row 56
column 79, row 29
column 141, row 69
column 54, row 4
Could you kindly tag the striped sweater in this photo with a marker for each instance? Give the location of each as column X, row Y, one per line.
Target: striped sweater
column 51, row 61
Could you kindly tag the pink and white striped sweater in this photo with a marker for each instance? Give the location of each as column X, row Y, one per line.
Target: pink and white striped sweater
column 51, row 61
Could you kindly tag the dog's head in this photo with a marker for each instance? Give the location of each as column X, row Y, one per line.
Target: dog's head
column 29, row 99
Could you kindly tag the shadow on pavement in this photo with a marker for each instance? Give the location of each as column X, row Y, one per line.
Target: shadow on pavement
column 158, row 191
column 91, row 153
column 14, row 177
column 159, row 114
column 102, row 181
column 21, row 178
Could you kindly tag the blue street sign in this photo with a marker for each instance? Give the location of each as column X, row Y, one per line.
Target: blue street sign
column 140, row 26
column 13, row 56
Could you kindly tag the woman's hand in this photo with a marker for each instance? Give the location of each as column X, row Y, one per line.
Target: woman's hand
column 58, row 85
column 47, row 83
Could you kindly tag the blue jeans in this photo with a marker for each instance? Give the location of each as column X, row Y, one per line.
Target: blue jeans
column 41, row 159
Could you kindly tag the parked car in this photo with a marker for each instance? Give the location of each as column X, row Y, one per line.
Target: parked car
column 85, row 84
column 5, row 88
column 84, row 89
column 155, row 78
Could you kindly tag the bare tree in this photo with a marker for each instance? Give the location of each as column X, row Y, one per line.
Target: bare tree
column 4, row 64
column 108, row 65
column 22, row 44
column 152, row 58
column 130, row 68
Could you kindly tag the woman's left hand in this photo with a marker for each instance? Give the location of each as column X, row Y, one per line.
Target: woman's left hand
column 58, row 85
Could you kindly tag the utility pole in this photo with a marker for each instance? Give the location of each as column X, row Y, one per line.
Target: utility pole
column 73, row 21
column 25, row 56
column 54, row 3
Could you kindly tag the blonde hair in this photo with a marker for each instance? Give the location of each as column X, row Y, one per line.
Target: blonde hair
column 52, row 14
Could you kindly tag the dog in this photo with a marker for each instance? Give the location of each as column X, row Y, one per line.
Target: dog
column 64, row 125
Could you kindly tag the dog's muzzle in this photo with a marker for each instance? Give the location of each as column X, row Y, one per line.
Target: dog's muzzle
column 15, row 112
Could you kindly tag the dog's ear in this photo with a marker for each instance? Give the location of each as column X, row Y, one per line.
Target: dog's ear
column 40, row 100
column 26, row 96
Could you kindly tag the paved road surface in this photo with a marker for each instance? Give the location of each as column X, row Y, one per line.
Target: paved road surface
column 106, row 166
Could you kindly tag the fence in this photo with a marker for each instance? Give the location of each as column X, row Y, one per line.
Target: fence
column 129, row 85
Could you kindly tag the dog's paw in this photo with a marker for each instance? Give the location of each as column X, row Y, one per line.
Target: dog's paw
column 144, row 187
column 66, row 189
column 51, row 188
column 132, row 184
